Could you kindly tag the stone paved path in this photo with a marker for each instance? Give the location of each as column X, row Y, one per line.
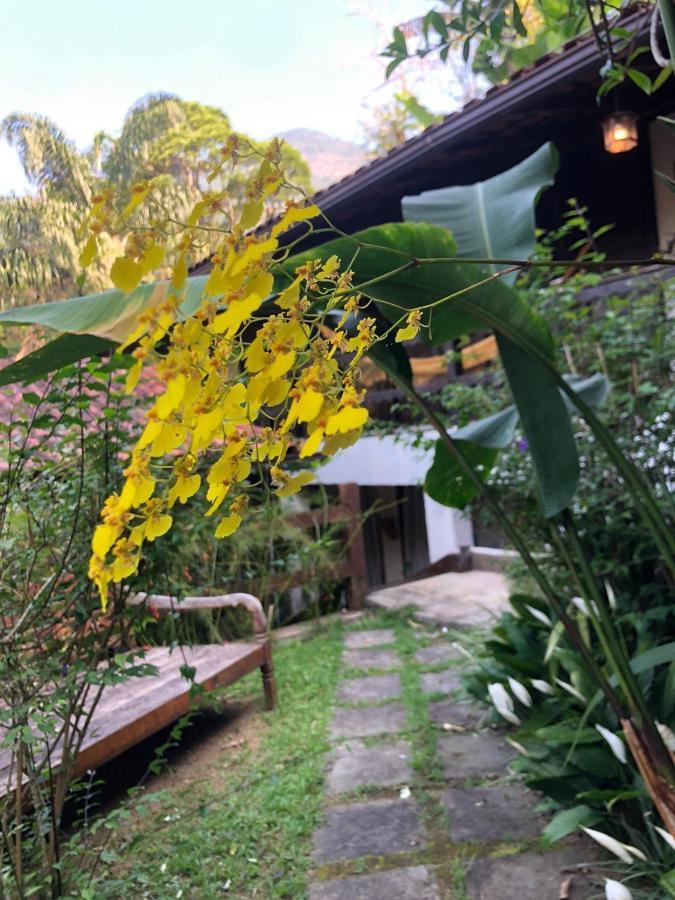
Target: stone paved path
column 454, row 598
column 420, row 804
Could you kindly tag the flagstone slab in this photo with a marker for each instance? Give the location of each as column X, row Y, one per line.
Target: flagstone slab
column 410, row 883
column 369, row 688
column 371, row 659
column 456, row 712
column 528, row 876
column 440, row 652
column 357, row 640
column 473, row 754
column 355, row 765
column 379, row 827
column 368, row 721
column 453, row 598
column 499, row 813
column 444, row 682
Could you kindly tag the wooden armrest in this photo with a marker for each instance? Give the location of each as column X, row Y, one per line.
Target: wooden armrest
column 190, row 604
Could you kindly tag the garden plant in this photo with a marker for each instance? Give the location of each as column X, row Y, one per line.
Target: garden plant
column 256, row 373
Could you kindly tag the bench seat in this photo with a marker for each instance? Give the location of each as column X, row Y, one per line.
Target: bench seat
column 132, row 710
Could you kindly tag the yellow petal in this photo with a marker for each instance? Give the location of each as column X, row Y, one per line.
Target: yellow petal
column 156, row 526
column 207, row 426
column 171, row 398
column 184, row 488
column 144, row 489
column 290, row 296
column 150, row 432
column 347, row 419
column 282, row 363
column 102, row 585
column 125, row 274
column 197, row 212
column 122, row 568
column 169, row 438
column 89, row 252
column 256, row 358
column 133, row 375
column 243, row 469
column 228, row 525
column 406, row 334
column 276, row 392
column 180, row 272
column 340, row 441
column 253, row 253
column 261, row 284
column 132, row 338
column 250, row 215
column 138, row 194
column 295, row 484
column 153, row 257
column 222, row 470
column 329, row 268
column 215, row 495
column 137, row 535
column 309, row 404
column 294, row 331
column 229, row 322
column 312, row 443
column 293, row 215
column 234, row 447
column 103, row 539
column 128, row 494
column 234, row 401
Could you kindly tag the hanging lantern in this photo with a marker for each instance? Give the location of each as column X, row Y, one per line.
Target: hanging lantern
column 620, row 132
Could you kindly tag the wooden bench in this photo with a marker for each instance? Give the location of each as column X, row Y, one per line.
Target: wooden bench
column 133, row 710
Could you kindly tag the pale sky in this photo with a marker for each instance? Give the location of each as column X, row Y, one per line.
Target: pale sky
column 270, row 64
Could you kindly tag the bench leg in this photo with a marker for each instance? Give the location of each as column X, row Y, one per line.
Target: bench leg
column 269, row 683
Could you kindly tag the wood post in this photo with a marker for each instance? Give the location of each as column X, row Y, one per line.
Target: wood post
column 356, row 549
column 268, row 679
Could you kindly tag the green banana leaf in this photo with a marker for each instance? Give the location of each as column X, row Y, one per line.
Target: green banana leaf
column 481, row 441
column 62, row 351
column 491, row 219
column 111, row 315
column 384, row 249
column 381, row 260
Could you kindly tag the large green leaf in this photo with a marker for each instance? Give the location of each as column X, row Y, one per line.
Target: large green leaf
column 64, row 350
column 378, row 256
column 111, row 315
column 567, row 821
column 446, row 483
column 480, row 442
column 491, row 219
column 546, row 424
column 381, row 259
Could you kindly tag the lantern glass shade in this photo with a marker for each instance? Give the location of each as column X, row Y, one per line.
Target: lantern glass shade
column 620, row 132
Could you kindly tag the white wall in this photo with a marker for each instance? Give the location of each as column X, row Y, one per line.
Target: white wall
column 374, row 461
column 662, row 148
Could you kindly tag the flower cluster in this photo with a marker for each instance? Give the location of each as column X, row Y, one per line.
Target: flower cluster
column 249, row 371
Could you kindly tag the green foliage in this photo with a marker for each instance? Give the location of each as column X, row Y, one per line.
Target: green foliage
column 492, row 219
column 496, row 38
column 247, row 828
column 561, row 754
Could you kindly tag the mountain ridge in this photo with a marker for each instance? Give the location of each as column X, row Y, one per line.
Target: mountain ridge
column 329, row 158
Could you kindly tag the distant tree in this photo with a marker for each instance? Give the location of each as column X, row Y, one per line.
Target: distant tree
column 164, row 138
column 394, row 122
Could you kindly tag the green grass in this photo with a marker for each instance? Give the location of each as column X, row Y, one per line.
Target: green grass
column 249, row 835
